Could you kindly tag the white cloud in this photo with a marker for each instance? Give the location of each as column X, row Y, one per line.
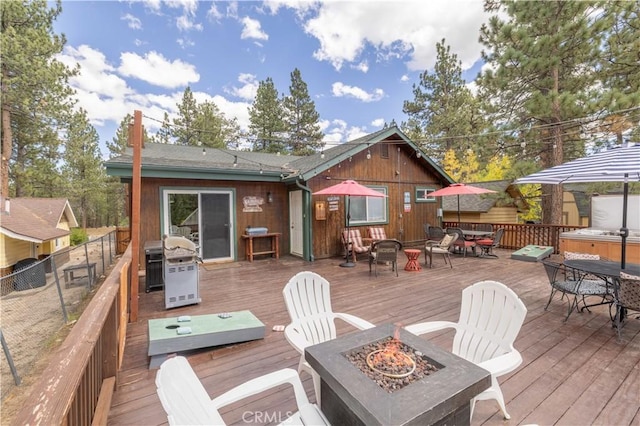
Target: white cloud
column 362, row 66
column 96, row 74
column 378, row 122
column 213, row 13
column 405, row 29
column 404, row 78
column 132, row 22
column 185, row 42
column 337, row 132
column 248, row 89
column 232, row 9
column 251, row 28
column 342, row 90
column 157, row 70
column 153, row 5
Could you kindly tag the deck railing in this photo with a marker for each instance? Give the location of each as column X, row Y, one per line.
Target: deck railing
column 518, row 235
column 76, row 387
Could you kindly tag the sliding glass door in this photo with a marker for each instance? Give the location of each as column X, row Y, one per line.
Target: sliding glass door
column 203, row 216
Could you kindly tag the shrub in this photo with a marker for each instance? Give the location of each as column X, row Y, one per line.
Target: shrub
column 78, row 236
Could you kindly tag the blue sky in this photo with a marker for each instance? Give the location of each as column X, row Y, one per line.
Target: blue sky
column 358, row 58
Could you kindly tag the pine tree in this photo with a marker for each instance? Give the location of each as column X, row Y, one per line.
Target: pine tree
column 35, row 96
column 301, row 118
column 83, row 169
column 164, row 133
column 214, row 129
column 443, row 109
column 542, row 60
column 184, row 128
column 266, row 119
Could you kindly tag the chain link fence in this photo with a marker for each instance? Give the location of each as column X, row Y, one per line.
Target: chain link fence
column 42, row 296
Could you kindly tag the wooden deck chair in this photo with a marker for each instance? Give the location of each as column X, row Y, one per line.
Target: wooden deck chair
column 356, row 246
column 491, row 316
column 187, row 402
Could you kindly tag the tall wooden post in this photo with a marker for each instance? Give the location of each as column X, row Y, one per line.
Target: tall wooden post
column 135, row 212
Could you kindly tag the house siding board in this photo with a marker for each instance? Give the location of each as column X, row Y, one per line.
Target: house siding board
column 14, row 250
column 274, row 216
column 405, row 226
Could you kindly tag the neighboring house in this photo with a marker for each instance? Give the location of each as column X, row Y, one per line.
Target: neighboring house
column 502, row 207
column 33, row 228
column 575, row 208
column 229, row 191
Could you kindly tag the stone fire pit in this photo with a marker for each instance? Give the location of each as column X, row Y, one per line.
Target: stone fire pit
column 349, row 397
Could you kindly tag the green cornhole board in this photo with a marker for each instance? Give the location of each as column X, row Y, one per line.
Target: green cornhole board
column 532, row 253
column 206, row 331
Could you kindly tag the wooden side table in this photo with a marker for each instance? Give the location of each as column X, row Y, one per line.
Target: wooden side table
column 413, row 265
column 274, row 237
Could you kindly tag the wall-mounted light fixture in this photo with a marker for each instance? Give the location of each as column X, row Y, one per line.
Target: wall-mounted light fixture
column 235, row 161
column 368, row 154
column 269, row 197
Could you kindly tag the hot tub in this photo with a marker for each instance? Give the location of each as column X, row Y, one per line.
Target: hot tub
column 605, row 242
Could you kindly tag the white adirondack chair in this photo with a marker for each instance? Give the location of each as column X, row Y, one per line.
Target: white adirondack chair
column 491, row 316
column 308, row 299
column 186, row 401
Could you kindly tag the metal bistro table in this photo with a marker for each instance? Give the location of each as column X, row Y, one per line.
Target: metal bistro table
column 472, row 235
column 608, row 270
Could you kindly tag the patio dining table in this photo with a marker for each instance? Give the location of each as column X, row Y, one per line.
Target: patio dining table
column 470, row 234
column 608, row 270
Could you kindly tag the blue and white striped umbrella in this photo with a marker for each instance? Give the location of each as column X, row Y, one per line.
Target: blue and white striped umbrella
column 614, row 165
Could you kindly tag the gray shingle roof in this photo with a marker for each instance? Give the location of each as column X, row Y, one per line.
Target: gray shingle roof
column 169, row 160
column 480, row 203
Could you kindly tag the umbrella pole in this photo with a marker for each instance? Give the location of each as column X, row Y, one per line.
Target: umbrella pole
column 458, row 210
column 624, row 231
column 346, row 263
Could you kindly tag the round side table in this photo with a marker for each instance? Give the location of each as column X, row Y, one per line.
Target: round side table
column 413, row 265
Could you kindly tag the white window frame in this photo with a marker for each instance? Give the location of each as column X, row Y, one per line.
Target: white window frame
column 369, row 205
column 422, row 195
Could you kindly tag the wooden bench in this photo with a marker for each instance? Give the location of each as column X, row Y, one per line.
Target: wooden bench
column 70, row 271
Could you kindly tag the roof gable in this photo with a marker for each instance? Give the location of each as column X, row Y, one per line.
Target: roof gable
column 36, row 219
column 482, row 203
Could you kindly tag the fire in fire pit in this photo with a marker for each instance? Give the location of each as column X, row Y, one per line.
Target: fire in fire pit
column 391, row 363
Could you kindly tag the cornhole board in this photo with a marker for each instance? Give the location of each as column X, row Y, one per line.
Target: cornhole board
column 205, row 331
column 532, row 253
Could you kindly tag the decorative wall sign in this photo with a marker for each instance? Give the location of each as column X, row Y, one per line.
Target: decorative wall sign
column 333, row 203
column 321, row 211
column 252, row 204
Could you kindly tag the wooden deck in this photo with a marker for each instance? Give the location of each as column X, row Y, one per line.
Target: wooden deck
column 574, row 373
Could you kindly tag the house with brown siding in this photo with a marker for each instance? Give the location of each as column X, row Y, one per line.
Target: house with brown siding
column 33, row 228
column 214, row 195
column 501, row 207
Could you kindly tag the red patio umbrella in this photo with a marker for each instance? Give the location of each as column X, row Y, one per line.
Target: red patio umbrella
column 349, row 188
column 460, row 189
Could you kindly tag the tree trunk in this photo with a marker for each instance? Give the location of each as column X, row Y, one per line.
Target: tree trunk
column 552, row 204
column 6, row 151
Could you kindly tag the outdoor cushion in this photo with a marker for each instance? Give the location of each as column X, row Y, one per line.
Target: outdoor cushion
column 446, row 240
column 377, row 233
column 569, row 255
column 626, row 276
